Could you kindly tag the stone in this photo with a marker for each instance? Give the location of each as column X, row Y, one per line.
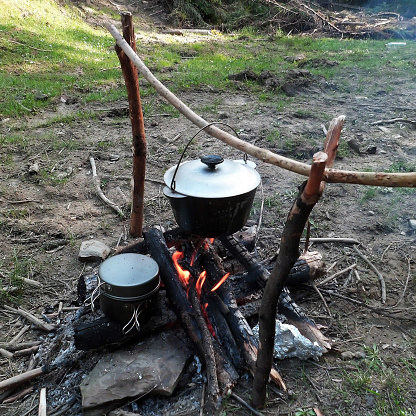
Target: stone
column 152, row 366
column 347, row 355
column 34, row 169
column 93, row 250
column 41, row 97
column 412, row 224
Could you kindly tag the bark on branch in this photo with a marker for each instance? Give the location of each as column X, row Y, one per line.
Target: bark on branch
column 131, row 80
column 288, row 254
column 331, row 175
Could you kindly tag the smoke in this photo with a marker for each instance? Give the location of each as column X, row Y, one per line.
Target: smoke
column 406, row 8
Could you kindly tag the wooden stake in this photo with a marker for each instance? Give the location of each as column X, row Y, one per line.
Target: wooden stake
column 288, row 254
column 42, row 402
column 131, row 80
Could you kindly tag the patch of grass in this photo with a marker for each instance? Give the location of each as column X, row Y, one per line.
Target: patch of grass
column 44, row 49
column 19, row 268
column 273, row 136
column 16, row 214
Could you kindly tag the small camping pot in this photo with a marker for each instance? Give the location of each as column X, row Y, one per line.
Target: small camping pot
column 211, row 197
column 128, row 286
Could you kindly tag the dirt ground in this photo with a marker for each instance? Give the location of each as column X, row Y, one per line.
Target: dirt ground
column 44, row 221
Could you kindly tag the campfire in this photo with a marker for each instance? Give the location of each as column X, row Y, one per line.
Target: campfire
column 209, row 303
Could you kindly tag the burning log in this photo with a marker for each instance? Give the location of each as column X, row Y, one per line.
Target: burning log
column 190, row 318
column 239, row 326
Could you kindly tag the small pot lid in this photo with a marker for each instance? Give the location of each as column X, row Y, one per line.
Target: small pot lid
column 213, row 177
column 129, row 275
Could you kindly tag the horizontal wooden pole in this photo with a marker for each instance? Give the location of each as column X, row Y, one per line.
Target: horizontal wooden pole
column 330, row 175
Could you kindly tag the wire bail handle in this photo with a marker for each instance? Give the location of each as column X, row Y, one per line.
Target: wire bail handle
column 211, row 165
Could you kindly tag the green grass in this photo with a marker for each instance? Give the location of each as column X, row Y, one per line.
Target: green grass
column 49, row 49
column 19, row 269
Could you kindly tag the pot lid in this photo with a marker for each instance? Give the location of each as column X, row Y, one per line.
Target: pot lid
column 212, row 177
column 129, row 275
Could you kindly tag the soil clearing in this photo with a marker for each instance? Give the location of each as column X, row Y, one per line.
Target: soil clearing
column 43, row 223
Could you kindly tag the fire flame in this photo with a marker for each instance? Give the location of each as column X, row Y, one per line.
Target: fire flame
column 184, row 275
column 220, row 282
column 200, row 283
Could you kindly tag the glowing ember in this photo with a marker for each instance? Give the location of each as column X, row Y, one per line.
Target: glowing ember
column 200, row 283
column 184, row 275
column 221, row 281
column 209, row 325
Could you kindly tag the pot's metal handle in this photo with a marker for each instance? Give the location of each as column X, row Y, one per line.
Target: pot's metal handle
column 173, row 183
column 133, row 322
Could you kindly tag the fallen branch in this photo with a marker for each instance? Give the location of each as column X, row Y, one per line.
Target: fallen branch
column 12, row 346
column 244, row 403
column 5, row 353
column 18, row 395
column 27, row 315
column 335, row 275
column 330, row 175
column 375, row 270
column 394, row 120
column 333, row 240
column 100, row 193
column 378, row 311
column 42, row 402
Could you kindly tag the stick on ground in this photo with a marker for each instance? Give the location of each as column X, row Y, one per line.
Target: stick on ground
column 375, row 270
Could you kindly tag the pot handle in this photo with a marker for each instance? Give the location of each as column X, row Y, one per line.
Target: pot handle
column 173, row 183
column 134, row 321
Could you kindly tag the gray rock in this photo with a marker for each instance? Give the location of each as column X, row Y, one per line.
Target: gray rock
column 412, row 224
column 93, row 250
column 347, row 355
column 350, row 355
column 41, row 97
column 34, row 169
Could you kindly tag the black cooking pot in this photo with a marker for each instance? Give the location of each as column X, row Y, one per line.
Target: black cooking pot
column 211, row 197
column 129, row 283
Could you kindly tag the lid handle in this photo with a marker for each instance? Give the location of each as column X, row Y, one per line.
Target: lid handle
column 212, row 160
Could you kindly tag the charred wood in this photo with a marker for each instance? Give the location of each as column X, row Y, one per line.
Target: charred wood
column 309, row 266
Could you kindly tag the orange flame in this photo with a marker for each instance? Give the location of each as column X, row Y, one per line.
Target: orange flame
column 184, row 275
column 221, row 281
column 200, row 283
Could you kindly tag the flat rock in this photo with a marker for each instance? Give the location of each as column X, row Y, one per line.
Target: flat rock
column 93, row 250
column 412, row 224
column 152, row 366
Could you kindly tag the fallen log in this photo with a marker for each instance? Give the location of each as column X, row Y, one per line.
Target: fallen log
column 330, row 175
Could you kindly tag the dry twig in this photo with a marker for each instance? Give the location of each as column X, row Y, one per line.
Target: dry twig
column 97, row 185
column 27, row 315
column 375, row 270
column 335, row 275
